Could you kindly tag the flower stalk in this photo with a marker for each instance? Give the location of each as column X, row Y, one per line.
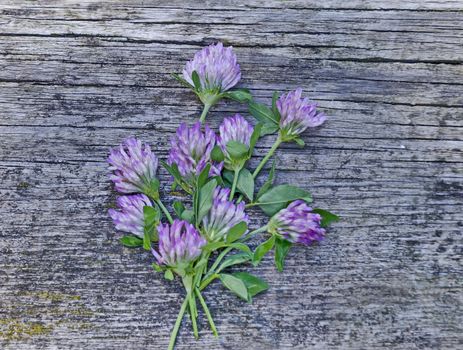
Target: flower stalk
column 270, row 153
column 235, row 182
column 164, row 210
column 207, row 312
column 206, row 108
column 178, row 322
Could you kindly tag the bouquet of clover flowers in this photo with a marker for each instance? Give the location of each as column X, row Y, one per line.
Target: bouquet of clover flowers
column 194, row 243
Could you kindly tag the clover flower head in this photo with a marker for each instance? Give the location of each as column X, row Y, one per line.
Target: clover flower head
column 216, row 66
column 129, row 217
column 297, row 224
column 191, row 150
column 223, row 215
column 234, row 128
column 179, row 244
column 134, row 166
column 297, row 113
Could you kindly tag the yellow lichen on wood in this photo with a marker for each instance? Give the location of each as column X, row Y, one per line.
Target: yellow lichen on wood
column 13, row 329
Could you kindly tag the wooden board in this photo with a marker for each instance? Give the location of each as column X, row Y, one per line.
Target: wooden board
column 77, row 77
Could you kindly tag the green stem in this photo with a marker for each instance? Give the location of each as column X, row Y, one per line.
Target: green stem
column 219, row 259
column 193, row 315
column 207, row 312
column 235, row 182
column 178, row 322
column 251, row 205
column 204, row 114
column 261, row 203
column 255, row 232
column 164, row 209
column 208, row 281
column 267, row 157
column 189, row 287
column 201, row 270
column 212, row 274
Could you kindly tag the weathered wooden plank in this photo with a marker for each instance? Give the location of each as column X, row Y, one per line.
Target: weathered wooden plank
column 92, row 5
column 78, row 77
column 373, row 35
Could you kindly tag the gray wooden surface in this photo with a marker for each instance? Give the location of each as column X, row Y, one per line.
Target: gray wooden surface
column 76, row 77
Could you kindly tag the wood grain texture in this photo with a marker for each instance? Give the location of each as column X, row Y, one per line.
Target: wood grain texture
column 76, row 77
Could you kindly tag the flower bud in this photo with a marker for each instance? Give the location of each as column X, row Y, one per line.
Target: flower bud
column 134, row 166
column 223, row 215
column 130, row 217
column 297, row 224
column 217, row 69
column 179, row 244
column 237, row 129
column 297, row 114
column 191, row 150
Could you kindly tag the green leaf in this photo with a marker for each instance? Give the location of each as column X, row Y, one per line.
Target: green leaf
column 217, row 245
column 146, row 241
column 280, row 196
column 214, row 246
column 237, row 150
column 275, row 111
column 267, row 184
column 299, row 141
column 281, row 250
column 254, row 137
column 241, row 246
column 233, row 260
column 205, row 199
column 203, row 176
column 327, row 217
column 219, row 180
column 196, row 80
column 268, row 129
column 235, row 284
column 263, row 249
column 182, row 81
column 240, row 95
column 217, row 154
column 262, row 113
column 188, row 215
column 254, row 284
column 173, row 170
column 236, row 232
column 131, row 241
column 168, row 275
column 152, row 217
column 155, row 184
column 245, row 183
column 174, row 185
column 157, row 267
column 179, row 208
column 152, row 190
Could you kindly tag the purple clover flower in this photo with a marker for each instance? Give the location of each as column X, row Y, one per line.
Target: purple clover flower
column 297, row 114
column 134, row 166
column 223, row 215
column 234, row 128
column 297, row 224
column 179, row 244
column 130, row 217
column 217, row 68
column 191, row 150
